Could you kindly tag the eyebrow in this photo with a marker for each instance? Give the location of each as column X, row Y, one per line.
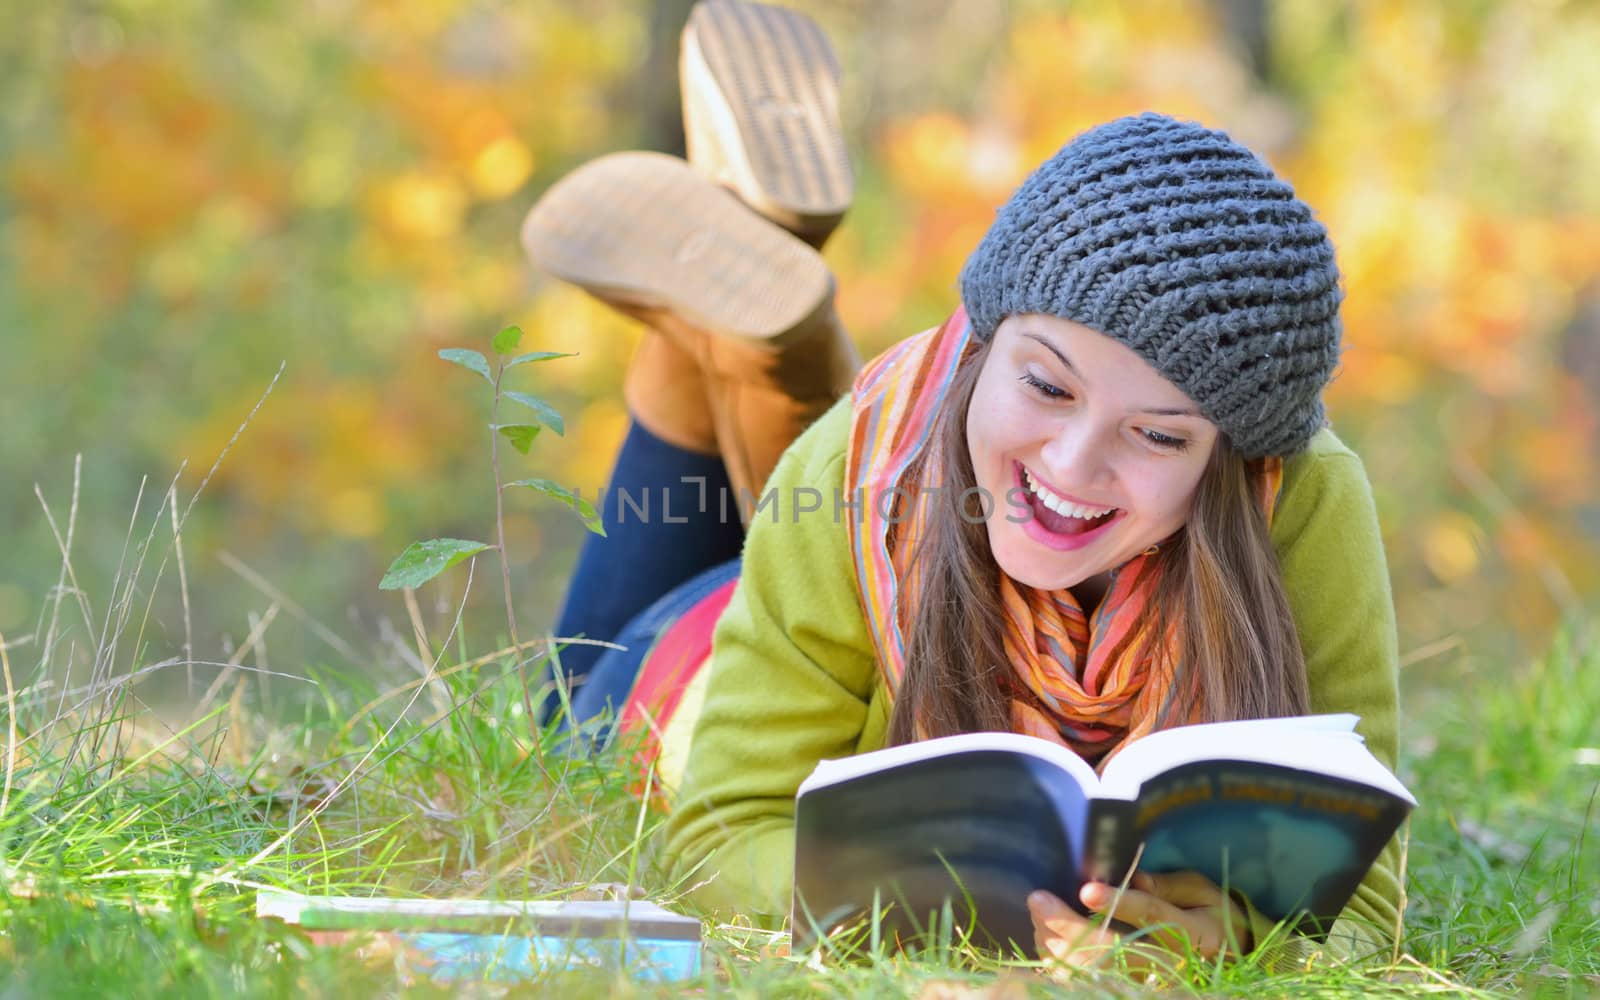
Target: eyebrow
column 1159, row 411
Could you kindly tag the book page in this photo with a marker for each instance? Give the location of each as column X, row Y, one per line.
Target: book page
column 602, row 917
column 1323, row 744
column 829, row 772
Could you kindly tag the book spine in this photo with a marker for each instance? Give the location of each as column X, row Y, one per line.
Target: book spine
column 1109, row 842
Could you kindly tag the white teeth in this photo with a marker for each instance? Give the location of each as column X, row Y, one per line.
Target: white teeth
column 1061, row 505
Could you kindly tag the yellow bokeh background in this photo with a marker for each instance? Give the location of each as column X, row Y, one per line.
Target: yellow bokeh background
column 192, row 193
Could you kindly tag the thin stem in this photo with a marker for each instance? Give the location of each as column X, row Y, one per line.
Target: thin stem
column 500, row 544
column 499, row 505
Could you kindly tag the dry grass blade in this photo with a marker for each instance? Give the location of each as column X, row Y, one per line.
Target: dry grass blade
column 419, row 631
column 522, row 861
column 236, row 659
column 297, row 612
column 487, row 658
column 1400, row 910
column 11, row 727
column 1429, row 650
column 183, row 590
column 105, row 651
column 1438, row 978
column 248, row 417
column 356, row 770
column 127, row 680
column 64, row 544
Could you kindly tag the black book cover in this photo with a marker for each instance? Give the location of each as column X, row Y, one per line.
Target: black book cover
column 978, row 829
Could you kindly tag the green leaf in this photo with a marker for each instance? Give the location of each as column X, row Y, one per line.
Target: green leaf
column 548, row 415
column 520, row 435
column 523, row 359
column 584, row 508
column 471, row 360
column 422, row 561
column 506, row 340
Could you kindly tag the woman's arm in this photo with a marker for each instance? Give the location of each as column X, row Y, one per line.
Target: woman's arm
column 792, row 675
column 1326, row 535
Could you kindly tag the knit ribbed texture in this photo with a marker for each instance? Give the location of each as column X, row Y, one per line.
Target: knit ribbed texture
column 1183, row 245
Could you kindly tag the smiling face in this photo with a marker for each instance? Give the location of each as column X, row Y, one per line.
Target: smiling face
column 1090, row 455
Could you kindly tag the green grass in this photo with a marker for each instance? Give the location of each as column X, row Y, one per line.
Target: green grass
column 132, row 840
column 1505, row 853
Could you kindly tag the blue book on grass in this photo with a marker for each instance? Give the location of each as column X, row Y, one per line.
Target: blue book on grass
column 474, row 939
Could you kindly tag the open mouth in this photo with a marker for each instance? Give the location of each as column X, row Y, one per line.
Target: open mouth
column 1058, row 515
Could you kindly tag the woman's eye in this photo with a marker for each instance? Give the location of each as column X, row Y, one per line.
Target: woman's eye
column 1042, row 387
column 1165, row 442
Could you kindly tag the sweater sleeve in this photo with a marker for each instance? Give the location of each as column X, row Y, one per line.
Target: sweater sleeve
column 791, row 677
column 1325, row 532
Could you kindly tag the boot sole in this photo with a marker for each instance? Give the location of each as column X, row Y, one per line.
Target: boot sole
column 761, row 88
column 646, row 230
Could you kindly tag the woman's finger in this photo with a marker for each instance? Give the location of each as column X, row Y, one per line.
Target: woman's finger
column 1227, row 920
column 1050, row 913
column 1202, row 929
column 1062, row 934
column 1186, row 889
column 1131, row 906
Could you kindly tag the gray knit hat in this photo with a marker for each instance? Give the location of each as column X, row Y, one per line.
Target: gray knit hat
column 1180, row 243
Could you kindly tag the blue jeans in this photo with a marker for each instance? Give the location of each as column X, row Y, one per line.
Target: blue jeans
column 613, row 673
column 657, row 558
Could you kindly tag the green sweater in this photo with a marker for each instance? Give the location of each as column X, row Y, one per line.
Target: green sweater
column 793, row 677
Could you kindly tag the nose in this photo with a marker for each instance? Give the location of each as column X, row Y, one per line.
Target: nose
column 1078, row 451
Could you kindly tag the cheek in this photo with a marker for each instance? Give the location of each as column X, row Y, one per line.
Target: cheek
column 994, row 438
column 977, row 435
column 988, row 422
column 1167, row 494
column 987, row 458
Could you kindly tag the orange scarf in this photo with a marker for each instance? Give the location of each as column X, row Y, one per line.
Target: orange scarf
column 1086, row 682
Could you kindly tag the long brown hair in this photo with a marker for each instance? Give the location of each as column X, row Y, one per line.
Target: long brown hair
column 1237, row 655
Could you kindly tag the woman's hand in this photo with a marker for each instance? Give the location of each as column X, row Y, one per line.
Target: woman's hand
column 1185, row 915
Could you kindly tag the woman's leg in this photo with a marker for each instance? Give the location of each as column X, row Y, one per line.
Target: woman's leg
column 616, row 670
column 663, row 524
column 717, row 398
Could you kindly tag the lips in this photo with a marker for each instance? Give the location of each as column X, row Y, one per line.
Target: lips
column 1057, row 522
column 1059, row 502
column 1064, row 524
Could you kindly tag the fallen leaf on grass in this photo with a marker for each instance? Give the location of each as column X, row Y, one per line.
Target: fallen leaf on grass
column 604, row 891
column 443, row 804
column 1537, row 932
column 1473, row 956
column 1498, row 845
column 306, row 789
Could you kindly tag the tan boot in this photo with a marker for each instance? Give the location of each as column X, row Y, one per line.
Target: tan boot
column 760, row 89
column 666, row 394
column 748, row 302
column 763, row 394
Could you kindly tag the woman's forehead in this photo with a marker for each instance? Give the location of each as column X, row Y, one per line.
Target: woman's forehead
column 1097, row 359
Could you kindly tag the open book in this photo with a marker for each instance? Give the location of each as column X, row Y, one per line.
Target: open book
column 1289, row 812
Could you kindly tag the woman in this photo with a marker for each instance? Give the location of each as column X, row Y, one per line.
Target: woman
column 1099, row 500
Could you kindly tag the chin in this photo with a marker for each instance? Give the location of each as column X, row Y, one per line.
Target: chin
column 1033, row 566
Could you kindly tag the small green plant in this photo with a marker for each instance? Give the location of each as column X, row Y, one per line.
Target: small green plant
column 422, row 561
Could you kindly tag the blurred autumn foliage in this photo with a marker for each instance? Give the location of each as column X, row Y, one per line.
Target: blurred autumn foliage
column 192, row 191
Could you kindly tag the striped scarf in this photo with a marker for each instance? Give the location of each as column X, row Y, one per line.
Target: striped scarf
column 1087, row 682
